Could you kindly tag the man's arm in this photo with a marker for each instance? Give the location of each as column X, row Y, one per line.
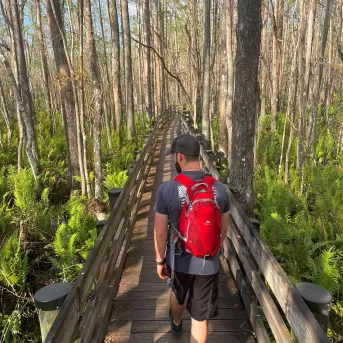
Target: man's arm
column 160, row 240
column 225, row 224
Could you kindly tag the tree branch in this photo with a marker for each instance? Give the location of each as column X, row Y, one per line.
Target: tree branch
column 176, row 77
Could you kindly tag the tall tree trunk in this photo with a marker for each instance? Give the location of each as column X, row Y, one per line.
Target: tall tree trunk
column 106, row 82
column 44, row 63
column 223, row 141
column 97, row 99
column 24, row 116
column 275, row 75
column 21, row 88
column 206, row 73
column 158, row 87
column 311, row 133
column 85, row 185
column 66, row 89
column 230, row 77
column 128, row 68
column 245, row 101
column 147, row 68
column 301, row 90
column 291, row 108
column 116, row 76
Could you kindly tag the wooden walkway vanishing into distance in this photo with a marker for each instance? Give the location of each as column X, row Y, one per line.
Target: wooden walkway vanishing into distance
column 118, row 297
column 140, row 312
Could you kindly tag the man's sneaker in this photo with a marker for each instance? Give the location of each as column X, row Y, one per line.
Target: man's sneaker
column 176, row 329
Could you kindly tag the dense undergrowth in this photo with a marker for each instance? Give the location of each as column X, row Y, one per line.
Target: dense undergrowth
column 46, row 236
column 304, row 229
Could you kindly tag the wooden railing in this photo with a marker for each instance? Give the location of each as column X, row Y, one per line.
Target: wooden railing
column 261, row 280
column 92, row 294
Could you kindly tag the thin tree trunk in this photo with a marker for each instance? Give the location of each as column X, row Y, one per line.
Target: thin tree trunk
column 31, row 143
column 82, row 145
column 290, row 112
column 128, row 68
column 301, row 90
column 223, row 141
column 116, row 76
column 106, row 84
column 311, row 134
column 44, row 63
column 206, row 73
column 147, row 61
column 24, row 114
column 230, row 77
column 97, row 100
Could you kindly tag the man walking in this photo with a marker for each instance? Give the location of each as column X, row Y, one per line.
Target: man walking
column 192, row 216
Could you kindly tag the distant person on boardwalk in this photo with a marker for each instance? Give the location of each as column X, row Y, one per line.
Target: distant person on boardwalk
column 191, row 219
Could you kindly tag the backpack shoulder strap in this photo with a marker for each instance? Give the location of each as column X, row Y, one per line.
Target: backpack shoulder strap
column 187, row 182
column 210, row 180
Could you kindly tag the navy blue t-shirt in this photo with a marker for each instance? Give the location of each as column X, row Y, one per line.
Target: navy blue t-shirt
column 168, row 202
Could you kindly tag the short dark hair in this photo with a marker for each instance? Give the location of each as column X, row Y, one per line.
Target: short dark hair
column 191, row 158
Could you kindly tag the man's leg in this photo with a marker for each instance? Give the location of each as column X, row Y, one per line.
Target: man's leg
column 198, row 331
column 176, row 309
column 202, row 304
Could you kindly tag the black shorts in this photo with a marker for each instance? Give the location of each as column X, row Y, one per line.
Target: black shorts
column 202, row 300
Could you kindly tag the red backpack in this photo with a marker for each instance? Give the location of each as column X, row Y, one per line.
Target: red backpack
column 199, row 224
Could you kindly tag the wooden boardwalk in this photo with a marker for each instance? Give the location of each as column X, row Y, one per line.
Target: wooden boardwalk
column 140, row 312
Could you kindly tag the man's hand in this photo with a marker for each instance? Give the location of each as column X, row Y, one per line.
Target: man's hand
column 162, row 271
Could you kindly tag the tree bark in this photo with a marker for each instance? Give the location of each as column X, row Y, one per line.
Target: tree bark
column 116, row 76
column 230, row 77
column 23, row 83
column 147, row 61
column 301, row 90
column 245, row 102
column 64, row 78
column 44, row 63
column 311, row 133
column 97, row 99
column 24, row 115
column 223, row 139
column 206, row 73
column 128, row 68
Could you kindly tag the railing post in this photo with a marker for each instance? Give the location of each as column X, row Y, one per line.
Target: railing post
column 99, row 225
column 318, row 299
column 113, row 195
column 48, row 301
column 256, row 224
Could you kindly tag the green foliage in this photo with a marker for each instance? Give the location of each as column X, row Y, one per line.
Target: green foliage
column 74, row 239
column 115, row 180
column 304, row 229
column 325, row 270
column 13, row 262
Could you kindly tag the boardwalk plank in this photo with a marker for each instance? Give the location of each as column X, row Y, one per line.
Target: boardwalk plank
column 162, row 314
column 163, row 326
column 217, row 337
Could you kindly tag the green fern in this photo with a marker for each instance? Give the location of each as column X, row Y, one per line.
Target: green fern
column 74, row 239
column 13, row 263
column 326, row 272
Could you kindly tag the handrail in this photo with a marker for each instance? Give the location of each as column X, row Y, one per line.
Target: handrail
column 245, row 245
column 104, row 265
